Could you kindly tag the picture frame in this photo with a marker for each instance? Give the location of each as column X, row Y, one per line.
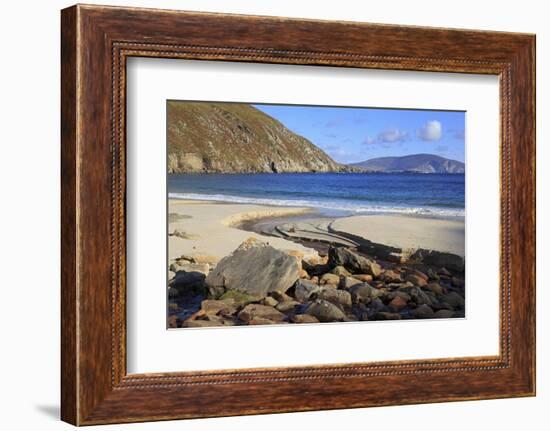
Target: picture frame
column 96, row 42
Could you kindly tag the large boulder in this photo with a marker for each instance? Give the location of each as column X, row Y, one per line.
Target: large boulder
column 255, row 268
column 352, row 261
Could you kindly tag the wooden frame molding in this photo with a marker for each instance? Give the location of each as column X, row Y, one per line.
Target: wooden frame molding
column 95, row 43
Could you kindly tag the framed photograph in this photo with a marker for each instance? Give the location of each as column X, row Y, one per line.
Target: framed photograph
column 266, row 215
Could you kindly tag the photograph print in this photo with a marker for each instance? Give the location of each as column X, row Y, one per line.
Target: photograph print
column 291, row 214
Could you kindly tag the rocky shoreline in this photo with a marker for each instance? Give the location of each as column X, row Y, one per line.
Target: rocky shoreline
column 258, row 284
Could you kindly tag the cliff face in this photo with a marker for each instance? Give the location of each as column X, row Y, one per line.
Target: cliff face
column 420, row 163
column 237, row 138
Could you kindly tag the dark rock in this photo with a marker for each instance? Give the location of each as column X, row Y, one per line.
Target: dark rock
column 435, row 288
column 420, row 297
column 257, row 269
column 336, row 296
column 252, row 311
column 384, row 315
column 353, row 261
column 364, row 292
column 458, row 282
column 281, row 297
column 304, row 289
column 325, row 311
column 348, row 282
column 423, row 312
column 454, row 300
column 444, row 314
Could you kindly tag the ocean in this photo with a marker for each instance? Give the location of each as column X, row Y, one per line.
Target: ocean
column 430, row 195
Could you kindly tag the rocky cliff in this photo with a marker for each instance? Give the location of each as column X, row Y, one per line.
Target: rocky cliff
column 237, row 138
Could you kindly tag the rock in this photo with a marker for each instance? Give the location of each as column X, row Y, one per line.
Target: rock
column 330, row 279
column 304, row 318
column 341, row 271
column 213, row 306
column 262, row 321
column 454, row 300
column 435, row 288
column 252, row 311
column 353, row 262
column 314, row 279
column 348, row 282
column 281, row 297
column 364, row 292
column 365, row 278
column 325, row 311
column 336, row 296
column 385, row 315
column 257, row 269
column 416, row 280
column 420, row 297
column 171, row 275
column 286, row 306
column 304, row 289
column 444, row 271
column 220, row 320
column 173, row 292
column 303, row 274
column 272, row 302
column 172, row 322
column 432, row 275
column 399, row 293
column 204, row 258
column 391, row 276
column 188, row 278
column 423, row 312
column 203, row 268
column 436, row 258
column 444, row 314
column 199, row 324
column 418, row 273
column 239, row 298
column 458, row 282
column 397, row 303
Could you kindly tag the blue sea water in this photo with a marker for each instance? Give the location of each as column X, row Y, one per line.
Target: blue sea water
column 432, row 195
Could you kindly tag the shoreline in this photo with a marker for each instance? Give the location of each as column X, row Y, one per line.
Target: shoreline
column 294, row 265
column 408, row 232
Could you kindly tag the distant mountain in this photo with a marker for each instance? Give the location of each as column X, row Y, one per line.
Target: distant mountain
column 237, row 138
column 419, row 163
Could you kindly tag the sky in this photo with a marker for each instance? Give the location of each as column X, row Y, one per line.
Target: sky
column 352, row 135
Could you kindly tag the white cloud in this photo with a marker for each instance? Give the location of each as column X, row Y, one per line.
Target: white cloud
column 387, row 136
column 431, row 131
column 392, row 135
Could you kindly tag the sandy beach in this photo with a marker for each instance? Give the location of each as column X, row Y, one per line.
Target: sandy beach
column 210, row 228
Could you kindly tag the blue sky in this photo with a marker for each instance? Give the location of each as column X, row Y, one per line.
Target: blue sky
column 355, row 134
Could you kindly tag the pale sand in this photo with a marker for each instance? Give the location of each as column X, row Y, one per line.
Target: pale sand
column 209, row 227
column 406, row 232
